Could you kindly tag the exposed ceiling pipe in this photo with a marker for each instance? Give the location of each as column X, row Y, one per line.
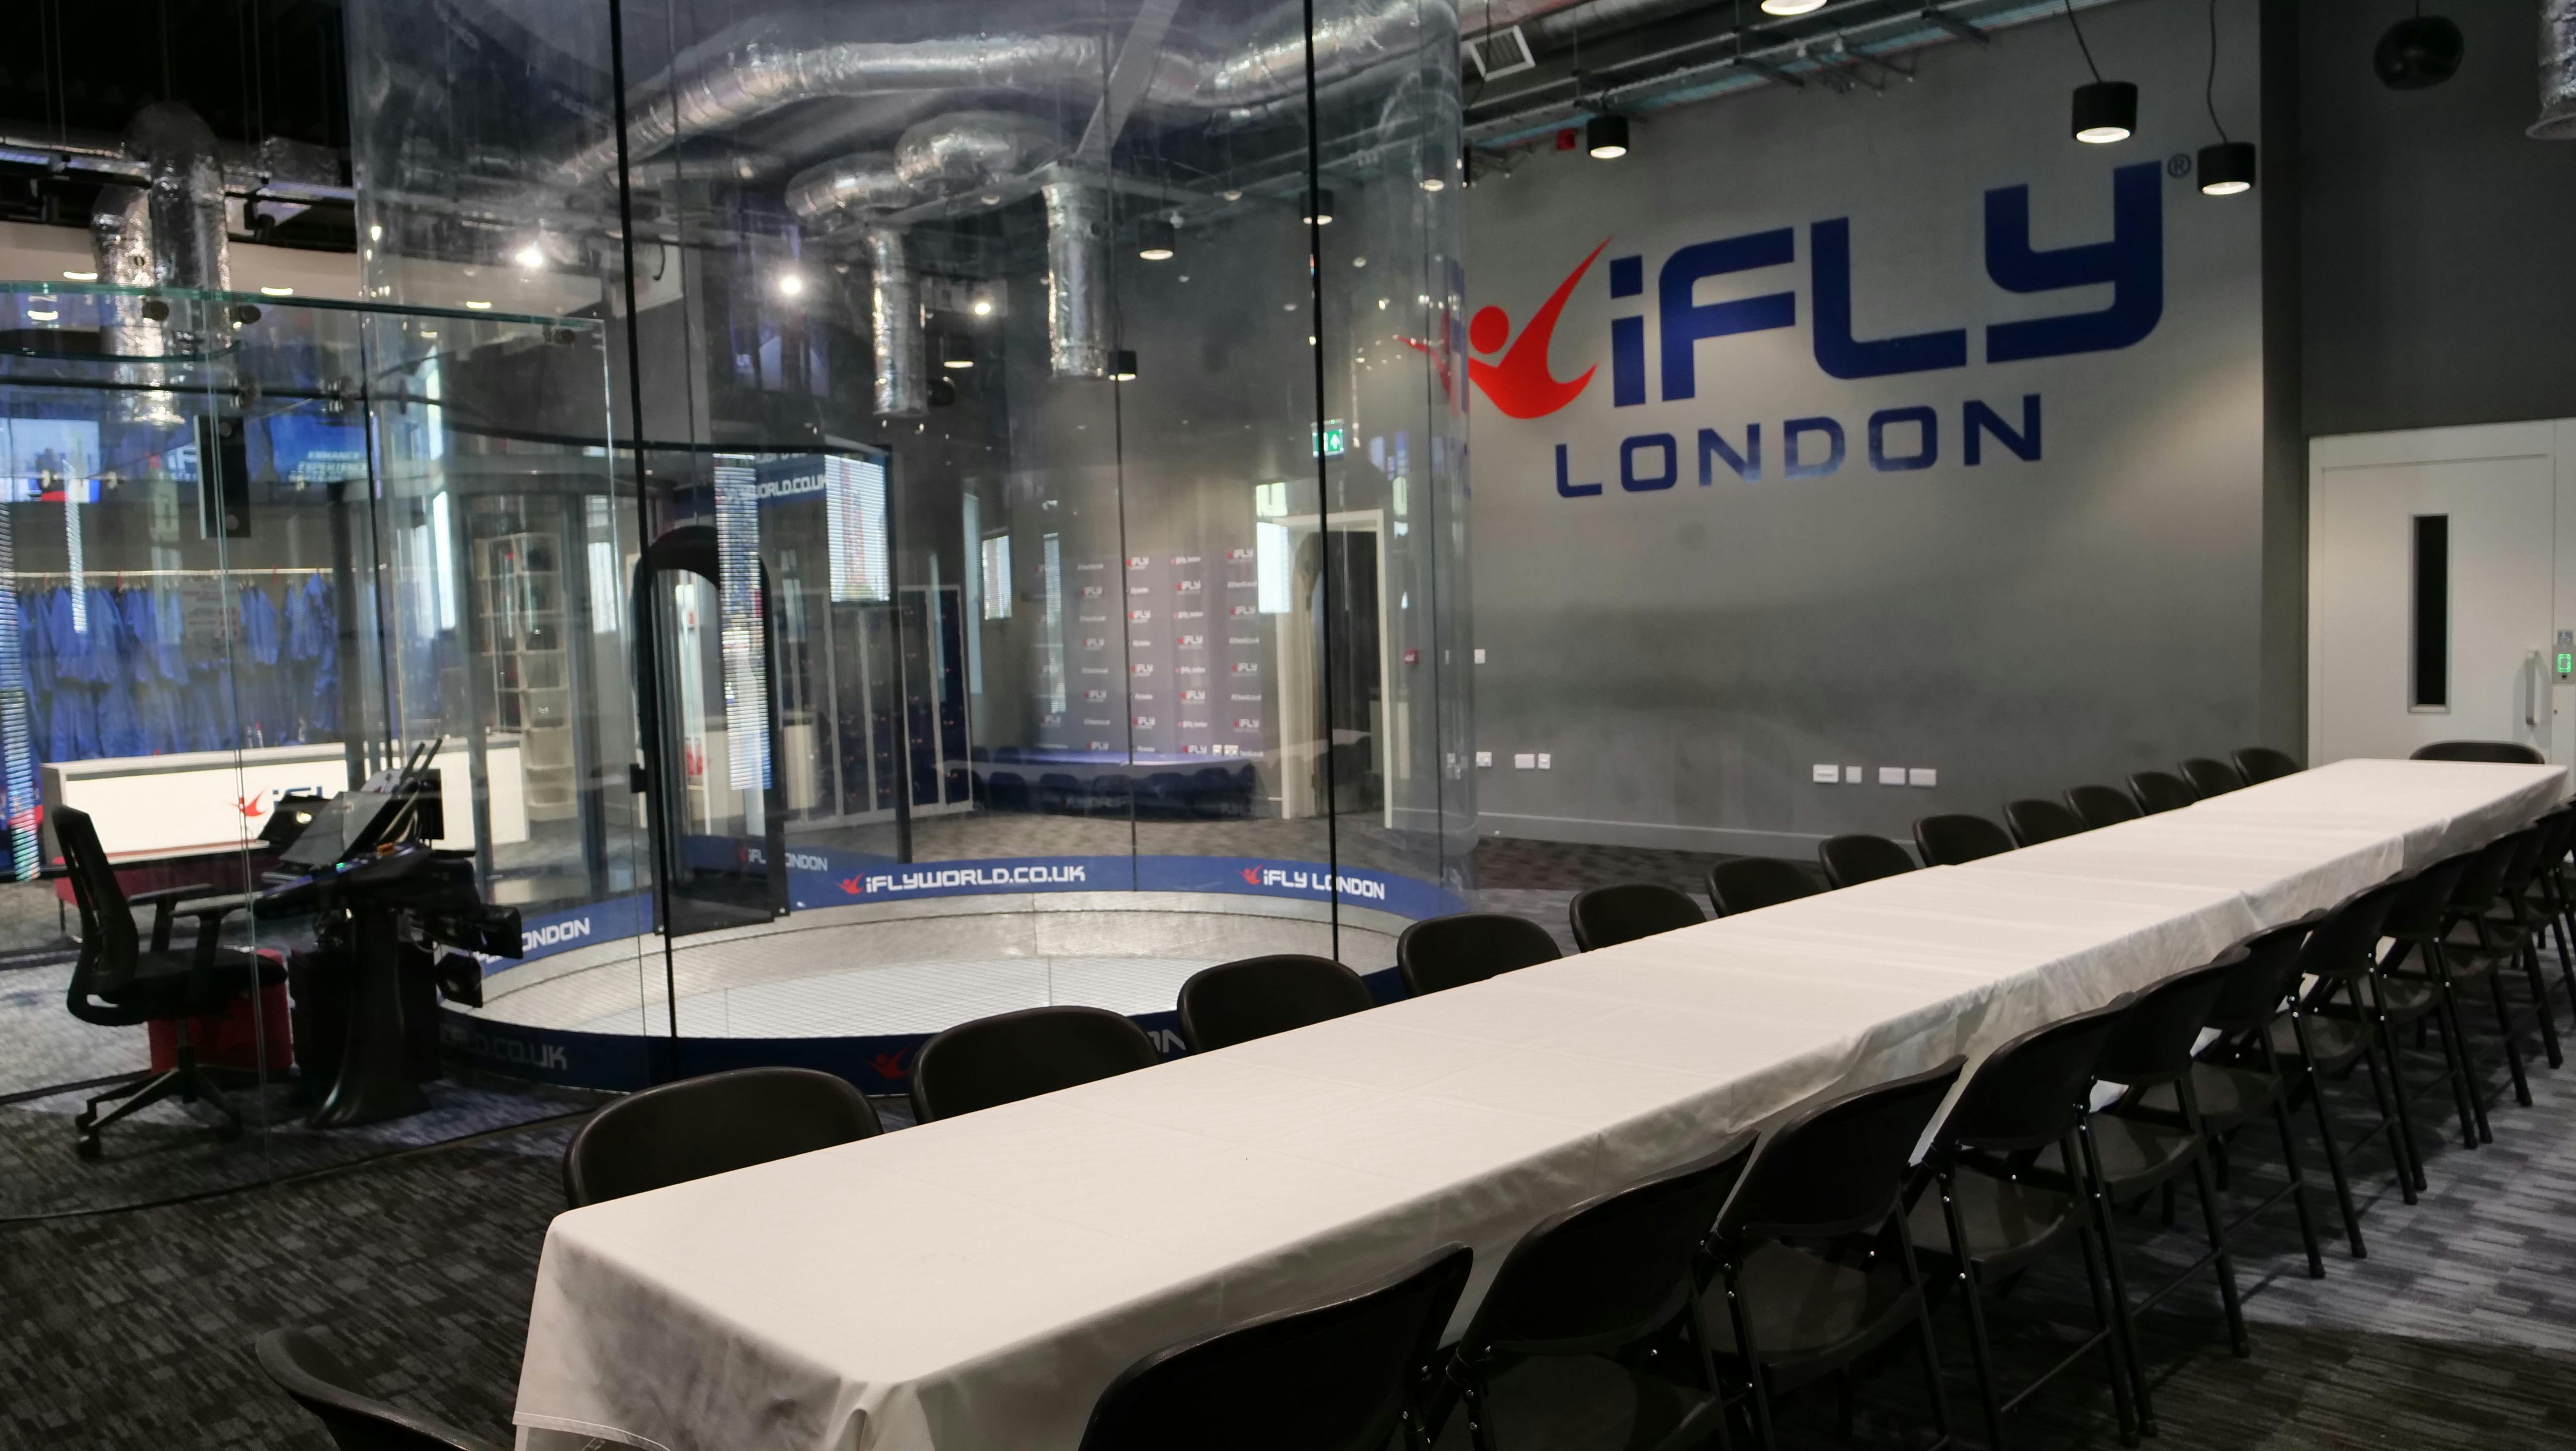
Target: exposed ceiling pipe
column 120, row 240
column 1077, row 280
column 940, row 155
column 2557, row 72
column 894, row 323
column 189, row 246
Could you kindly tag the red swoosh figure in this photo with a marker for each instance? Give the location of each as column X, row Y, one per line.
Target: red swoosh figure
column 1520, row 385
column 1252, row 875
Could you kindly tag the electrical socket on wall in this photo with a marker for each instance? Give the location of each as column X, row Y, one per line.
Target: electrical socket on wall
column 1484, row 758
column 1480, row 654
column 1855, row 775
column 1825, row 775
column 1524, row 761
column 1546, row 762
column 1922, row 776
column 1891, row 775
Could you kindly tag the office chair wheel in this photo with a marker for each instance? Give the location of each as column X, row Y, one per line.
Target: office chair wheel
column 86, row 1146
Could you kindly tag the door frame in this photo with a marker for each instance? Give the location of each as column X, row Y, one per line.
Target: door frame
column 2552, row 439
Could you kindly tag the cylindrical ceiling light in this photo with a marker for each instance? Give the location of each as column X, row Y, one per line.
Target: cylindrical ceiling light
column 1122, row 365
column 955, row 351
column 1156, row 238
column 1321, row 213
column 1606, row 137
column 2105, row 111
column 2227, row 168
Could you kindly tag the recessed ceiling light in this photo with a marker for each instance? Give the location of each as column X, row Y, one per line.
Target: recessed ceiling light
column 277, row 292
column 478, row 306
column 69, row 276
column 983, row 307
column 1432, row 183
column 790, row 284
column 1791, row 7
column 531, row 256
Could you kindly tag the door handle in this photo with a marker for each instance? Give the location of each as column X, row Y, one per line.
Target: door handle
column 2531, row 690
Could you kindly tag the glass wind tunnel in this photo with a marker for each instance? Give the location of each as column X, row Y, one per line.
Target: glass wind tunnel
column 1028, row 562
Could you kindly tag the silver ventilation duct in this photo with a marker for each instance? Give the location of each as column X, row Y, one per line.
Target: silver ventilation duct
column 120, row 240
column 949, row 153
column 2557, row 72
column 1077, row 280
column 894, row 317
column 186, row 186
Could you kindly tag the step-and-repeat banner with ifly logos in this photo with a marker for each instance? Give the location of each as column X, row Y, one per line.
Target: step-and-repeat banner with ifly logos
column 1893, row 429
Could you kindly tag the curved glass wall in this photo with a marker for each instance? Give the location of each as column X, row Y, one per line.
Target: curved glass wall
column 1039, row 430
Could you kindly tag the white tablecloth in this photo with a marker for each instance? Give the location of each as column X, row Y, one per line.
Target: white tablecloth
column 971, row 1284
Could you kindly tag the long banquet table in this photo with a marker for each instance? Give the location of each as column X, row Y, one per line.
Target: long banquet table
column 975, row 1282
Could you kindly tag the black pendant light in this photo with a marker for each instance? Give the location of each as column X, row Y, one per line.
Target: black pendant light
column 1156, row 239
column 2418, row 51
column 1321, row 213
column 2105, row 111
column 2226, row 168
column 1605, row 137
column 1122, row 365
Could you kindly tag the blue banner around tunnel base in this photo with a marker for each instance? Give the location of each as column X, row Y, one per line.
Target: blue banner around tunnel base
column 624, row 1062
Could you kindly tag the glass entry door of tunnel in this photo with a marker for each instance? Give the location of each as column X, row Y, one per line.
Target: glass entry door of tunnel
column 774, row 703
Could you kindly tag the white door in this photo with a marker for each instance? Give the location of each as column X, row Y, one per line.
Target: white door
column 2431, row 559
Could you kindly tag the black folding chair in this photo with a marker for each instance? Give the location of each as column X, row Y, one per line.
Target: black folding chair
column 2160, row 791
column 1342, row 1375
column 1254, row 997
column 2210, row 776
column 1785, row 1310
column 1011, row 1056
column 1607, row 916
column 2101, row 806
column 2419, row 918
column 2343, row 1019
column 1860, row 857
column 2128, row 1156
column 2545, row 903
column 2501, row 924
column 1594, row 1284
column 304, row 1368
column 2238, row 1077
column 1987, row 1222
column 1750, row 883
column 2034, row 820
column 1438, row 953
column 2258, row 764
column 2506, row 753
column 1947, row 841
column 675, row 1132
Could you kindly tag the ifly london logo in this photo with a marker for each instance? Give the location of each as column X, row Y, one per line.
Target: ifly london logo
column 1319, row 880
column 1655, row 354
column 1519, row 383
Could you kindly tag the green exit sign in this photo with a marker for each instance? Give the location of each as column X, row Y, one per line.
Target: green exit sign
column 1333, row 439
column 2566, row 663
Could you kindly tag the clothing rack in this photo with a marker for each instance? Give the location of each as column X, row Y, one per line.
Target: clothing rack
column 247, row 575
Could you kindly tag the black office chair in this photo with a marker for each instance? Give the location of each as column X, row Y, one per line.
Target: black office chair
column 2210, row 776
column 2159, row 791
column 303, row 1367
column 117, row 982
column 2101, row 806
column 2258, row 764
column 1608, row 916
column 675, row 1132
column 2508, row 753
column 1947, row 841
column 1339, row 1376
column 1977, row 1221
column 1439, row 953
column 1750, row 883
column 1236, row 1002
column 1782, row 1314
column 1011, row 1056
column 1860, row 857
column 2034, row 820
column 1593, row 1284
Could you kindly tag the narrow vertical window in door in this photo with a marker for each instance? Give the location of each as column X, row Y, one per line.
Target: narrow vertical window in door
column 2430, row 649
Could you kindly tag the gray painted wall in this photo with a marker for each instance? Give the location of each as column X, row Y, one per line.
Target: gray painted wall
column 1686, row 655
column 2438, row 278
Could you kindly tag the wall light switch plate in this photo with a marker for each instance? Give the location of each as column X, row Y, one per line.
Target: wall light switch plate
column 1891, row 775
column 1922, row 776
column 1524, row 762
column 1546, row 762
column 1825, row 775
column 1855, row 775
column 1480, row 654
column 1484, row 758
